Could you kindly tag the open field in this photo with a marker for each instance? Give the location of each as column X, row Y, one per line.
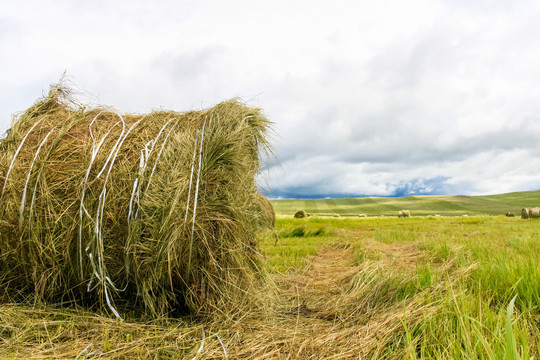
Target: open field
column 338, row 288
column 418, row 205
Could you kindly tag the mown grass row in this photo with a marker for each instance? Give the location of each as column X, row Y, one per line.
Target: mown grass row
column 477, row 280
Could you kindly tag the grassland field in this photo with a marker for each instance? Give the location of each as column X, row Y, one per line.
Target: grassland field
column 418, row 205
column 424, row 287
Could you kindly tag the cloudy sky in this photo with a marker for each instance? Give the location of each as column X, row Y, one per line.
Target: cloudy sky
column 384, row 98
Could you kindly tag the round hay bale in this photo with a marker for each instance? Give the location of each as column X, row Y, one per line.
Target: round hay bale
column 300, row 214
column 116, row 209
column 362, row 215
column 510, row 214
column 532, row 213
column 404, row 213
column 336, row 215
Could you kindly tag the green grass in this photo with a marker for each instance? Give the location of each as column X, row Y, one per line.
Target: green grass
column 477, row 279
column 418, row 205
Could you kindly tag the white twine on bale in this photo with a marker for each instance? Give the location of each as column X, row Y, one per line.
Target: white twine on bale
column 100, row 271
column 159, row 155
column 196, row 197
column 134, row 201
column 143, row 163
column 38, row 178
column 84, row 186
column 201, row 347
column 191, row 178
column 136, row 192
column 15, row 156
column 23, row 198
column 99, row 213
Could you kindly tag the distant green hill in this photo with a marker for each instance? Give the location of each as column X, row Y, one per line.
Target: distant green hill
column 418, row 205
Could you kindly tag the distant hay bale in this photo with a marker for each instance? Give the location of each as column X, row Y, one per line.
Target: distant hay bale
column 300, row 214
column 510, row 214
column 336, row 215
column 111, row 209
column 465, row 215
column 404, row 213
column 532, row 213
column 362, row 215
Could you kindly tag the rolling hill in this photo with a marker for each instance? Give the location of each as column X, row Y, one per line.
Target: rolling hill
column 445, row 205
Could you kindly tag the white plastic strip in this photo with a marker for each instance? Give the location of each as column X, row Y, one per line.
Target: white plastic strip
column 15, row 157
column 159, row 156
column 23, row 199
column 191, row 178
column 196, row 198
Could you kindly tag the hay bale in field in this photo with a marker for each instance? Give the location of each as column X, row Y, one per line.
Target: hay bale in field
column 158, row 210
column 362, row 215
column 336, row 215
column 404, row 213
column 300, row 214
column 532, row 213
column 510, row 214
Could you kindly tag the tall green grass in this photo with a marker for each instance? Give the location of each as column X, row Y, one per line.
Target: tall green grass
column 477, row 284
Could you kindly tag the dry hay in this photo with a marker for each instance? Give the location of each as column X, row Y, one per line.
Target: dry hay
column 362, row 215
column 532, row 213
column 336, row 215
column 300, row 214
column 155, row 211
column 510, row 214
column 404, row 213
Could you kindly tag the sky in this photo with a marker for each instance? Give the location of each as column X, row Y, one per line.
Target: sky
column 367, row 98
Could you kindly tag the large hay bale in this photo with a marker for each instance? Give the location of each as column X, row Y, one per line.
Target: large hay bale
column 157, row 209
column 532, row 213
column 300, row 214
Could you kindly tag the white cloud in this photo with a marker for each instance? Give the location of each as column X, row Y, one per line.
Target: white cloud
column 367, row 97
